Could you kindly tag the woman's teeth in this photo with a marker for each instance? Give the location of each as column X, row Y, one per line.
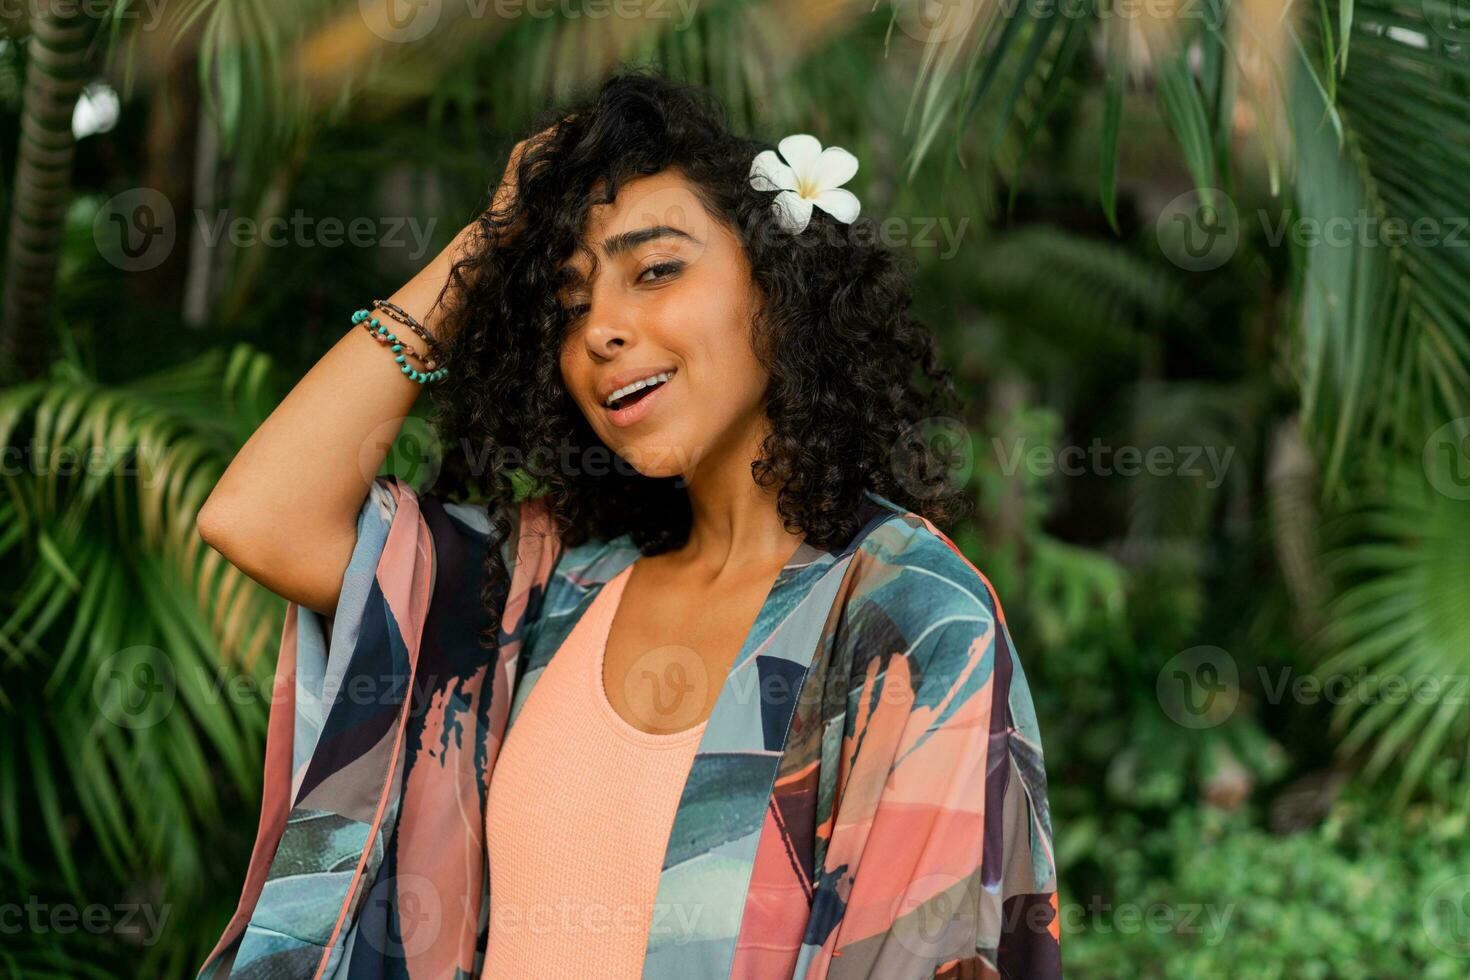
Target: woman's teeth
column 626, row 390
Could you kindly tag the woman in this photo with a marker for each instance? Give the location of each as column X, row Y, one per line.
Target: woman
column 737, row 706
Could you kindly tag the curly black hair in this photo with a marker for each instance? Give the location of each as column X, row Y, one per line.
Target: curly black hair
column 851, row 371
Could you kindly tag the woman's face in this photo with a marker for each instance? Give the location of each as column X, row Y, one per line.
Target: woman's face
column 669, row 295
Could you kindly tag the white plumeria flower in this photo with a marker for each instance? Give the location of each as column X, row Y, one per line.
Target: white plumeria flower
column 810, row 176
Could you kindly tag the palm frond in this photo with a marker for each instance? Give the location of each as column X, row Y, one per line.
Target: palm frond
column 1067, row 295
column 1385, row 326
column 1398, row 629
column 113, row 696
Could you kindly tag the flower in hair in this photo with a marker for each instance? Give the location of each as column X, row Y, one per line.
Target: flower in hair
column 809, row 176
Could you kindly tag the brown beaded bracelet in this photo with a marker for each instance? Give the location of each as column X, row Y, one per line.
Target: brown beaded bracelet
column 399, row 349
column 396, row 312
column 396, row 343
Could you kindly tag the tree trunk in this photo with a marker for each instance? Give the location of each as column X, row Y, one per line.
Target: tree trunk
column 55, row 76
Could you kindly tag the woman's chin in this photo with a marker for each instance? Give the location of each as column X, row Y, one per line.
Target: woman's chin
column 656, row 462
column 656, row 469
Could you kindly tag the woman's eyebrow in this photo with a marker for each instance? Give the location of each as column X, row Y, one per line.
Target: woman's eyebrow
column 571, row 276
column 623, row 241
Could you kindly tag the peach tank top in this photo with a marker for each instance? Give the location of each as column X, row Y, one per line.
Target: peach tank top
column 578, row 818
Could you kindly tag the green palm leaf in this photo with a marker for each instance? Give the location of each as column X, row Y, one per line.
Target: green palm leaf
column 112, row 578
column 1385, row 326
column 1401, row 615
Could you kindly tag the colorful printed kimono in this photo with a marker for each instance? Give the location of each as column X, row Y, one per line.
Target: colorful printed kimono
column 868, row 799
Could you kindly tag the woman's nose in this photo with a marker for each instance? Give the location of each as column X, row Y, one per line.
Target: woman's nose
column 609, row 327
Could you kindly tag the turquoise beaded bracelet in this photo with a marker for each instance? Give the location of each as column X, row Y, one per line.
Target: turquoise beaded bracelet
column 392, row 341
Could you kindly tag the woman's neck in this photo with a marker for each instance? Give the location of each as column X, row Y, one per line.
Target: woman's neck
column 734, row 523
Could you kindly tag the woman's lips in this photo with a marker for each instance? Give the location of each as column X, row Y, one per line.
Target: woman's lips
column 631, row 414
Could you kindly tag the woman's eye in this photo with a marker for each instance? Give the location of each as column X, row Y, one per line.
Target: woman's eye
column 660, row 271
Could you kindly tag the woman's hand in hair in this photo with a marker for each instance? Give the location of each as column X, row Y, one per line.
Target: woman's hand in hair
column 499, row 221
column 503, row 204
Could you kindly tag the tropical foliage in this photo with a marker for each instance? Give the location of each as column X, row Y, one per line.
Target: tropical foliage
column 1197, row 267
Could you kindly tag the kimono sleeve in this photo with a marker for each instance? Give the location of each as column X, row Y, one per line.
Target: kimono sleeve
column 469, row 527
column 288, row 921
column 529, row 549
column 943, row 822
column 336, row 772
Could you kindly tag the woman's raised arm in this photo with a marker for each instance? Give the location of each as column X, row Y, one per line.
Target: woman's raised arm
column 285, row 510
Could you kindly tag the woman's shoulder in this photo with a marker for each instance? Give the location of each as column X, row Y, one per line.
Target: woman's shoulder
column 921, row 594
column 906, row 561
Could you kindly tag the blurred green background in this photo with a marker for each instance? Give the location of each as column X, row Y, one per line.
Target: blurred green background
column 1200, row 268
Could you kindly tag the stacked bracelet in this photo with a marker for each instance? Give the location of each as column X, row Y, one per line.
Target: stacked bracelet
column 393, row 310
column 399, row 349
